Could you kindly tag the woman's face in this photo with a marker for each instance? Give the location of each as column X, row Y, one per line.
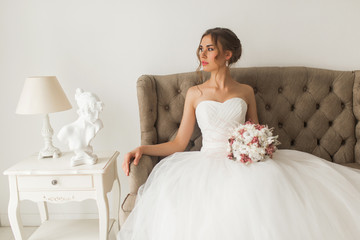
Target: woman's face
column 208, row 53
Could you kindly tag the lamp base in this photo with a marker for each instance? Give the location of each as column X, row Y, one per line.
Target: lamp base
column 49, row 152
column 47, row 132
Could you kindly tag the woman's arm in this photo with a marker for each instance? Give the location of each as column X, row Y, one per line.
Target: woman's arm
column 251, row 114
column 184, row 133
column 177, row 145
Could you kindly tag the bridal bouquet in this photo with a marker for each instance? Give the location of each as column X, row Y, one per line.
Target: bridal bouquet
column 251, row 142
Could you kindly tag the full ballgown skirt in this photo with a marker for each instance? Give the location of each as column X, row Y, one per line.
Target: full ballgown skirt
column 204, row 195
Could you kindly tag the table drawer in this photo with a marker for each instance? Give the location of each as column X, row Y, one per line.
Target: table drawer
column 57, row 182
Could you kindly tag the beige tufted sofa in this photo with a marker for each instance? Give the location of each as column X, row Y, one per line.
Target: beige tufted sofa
column 312, row 110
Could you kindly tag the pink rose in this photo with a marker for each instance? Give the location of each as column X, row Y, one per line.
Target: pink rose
column 259, row 127
column 254, row 140
column 241, row 131
column 245, row 158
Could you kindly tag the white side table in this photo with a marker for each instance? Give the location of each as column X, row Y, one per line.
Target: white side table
column 54, row 180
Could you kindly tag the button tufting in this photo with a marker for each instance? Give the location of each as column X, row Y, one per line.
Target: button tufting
column 179, row 91
column 343, row 142
column 305, row 124
column 166, row 107
column 305, row 88
column 292, row 143
column 318, row 142
column 192, row 143
column 292, row 107
column 267, row 107
column 255, row 90
column 330, row 89
column 280, row 90
column 317, row 106
column 330, row 123
column 280, row 125
column 342, row 105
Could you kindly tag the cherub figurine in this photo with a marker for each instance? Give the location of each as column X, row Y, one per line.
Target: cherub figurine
column 79, row 134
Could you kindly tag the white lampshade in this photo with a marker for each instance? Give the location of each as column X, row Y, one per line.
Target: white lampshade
column 41, row 95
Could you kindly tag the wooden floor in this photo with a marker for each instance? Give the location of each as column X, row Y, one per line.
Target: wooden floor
column 6, row 233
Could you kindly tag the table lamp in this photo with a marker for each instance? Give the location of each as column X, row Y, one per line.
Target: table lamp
column 43, row 95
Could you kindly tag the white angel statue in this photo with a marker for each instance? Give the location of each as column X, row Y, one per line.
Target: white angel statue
column 79, row 134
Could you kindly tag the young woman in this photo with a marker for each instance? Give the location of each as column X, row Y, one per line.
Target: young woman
column 204, row 195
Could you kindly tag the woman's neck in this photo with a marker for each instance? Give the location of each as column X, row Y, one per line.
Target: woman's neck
column 221, row 78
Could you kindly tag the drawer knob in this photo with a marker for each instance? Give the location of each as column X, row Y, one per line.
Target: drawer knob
column 54, row 182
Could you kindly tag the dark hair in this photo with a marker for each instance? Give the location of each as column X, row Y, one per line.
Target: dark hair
column 228, row 40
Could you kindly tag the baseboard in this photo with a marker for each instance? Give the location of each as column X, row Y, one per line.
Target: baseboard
column 33, row 220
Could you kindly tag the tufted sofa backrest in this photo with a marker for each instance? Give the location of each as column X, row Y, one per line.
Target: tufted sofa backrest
column 312, row 110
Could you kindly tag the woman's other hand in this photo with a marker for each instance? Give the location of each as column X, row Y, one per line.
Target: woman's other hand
column 133, row 155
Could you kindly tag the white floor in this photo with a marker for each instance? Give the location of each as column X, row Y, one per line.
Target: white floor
column 6, row 233
column 84, row 229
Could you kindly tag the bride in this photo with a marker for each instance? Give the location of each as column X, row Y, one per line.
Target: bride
column 204, row 195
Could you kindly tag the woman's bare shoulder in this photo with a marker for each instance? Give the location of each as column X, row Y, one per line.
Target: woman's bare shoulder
column 197, row 90
column 249, row 88
column 245, row 89
column 193, row 93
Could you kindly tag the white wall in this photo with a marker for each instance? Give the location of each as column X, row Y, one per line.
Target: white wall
column 104, row 46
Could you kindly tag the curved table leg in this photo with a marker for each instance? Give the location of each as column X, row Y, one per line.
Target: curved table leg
column 14, row 211
column 43, row 211
column 116, row 197
column 103, row 207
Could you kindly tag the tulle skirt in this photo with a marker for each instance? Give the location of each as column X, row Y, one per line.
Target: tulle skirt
column 204, row 195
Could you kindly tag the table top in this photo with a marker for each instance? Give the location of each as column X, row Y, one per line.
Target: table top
column 59, row 166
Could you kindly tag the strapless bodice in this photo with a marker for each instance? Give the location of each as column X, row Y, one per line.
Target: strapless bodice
column 217, row 119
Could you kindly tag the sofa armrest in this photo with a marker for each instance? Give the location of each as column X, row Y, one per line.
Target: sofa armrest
column 356, row 109
column 138, row 174
column 147, row 100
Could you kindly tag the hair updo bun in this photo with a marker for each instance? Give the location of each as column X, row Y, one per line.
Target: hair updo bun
column 228, row 40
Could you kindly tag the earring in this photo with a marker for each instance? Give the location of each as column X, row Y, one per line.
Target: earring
column 227, row 63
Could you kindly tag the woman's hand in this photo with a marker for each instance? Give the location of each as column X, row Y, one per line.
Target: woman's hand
column 134, row 154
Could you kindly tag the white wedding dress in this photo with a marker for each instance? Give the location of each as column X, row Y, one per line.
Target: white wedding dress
column 204, row 195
